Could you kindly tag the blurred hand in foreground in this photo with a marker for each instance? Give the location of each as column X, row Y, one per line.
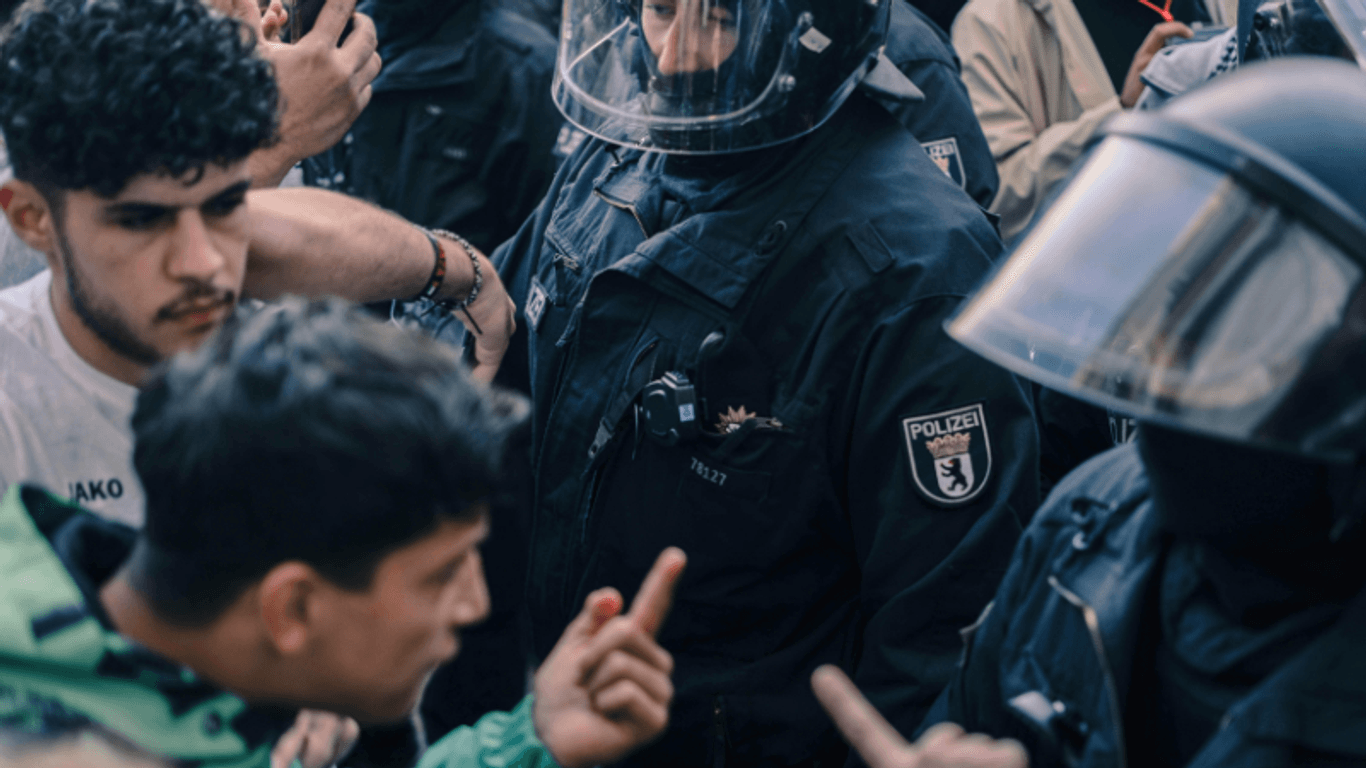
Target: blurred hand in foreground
column 604, row 691
column 944, row 746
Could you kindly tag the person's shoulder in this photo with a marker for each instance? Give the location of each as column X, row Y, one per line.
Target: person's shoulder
column 27, row 561
column 927, row 222
column 519, row 36
column 977, row 17
column 19, row 303
column 25, row 343
column 913, row 36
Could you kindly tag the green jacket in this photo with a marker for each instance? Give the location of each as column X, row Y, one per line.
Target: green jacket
column 63, row 667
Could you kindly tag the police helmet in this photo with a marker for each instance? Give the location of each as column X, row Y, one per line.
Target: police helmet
column 1269, row 29
column 712, row 76
column 1204, row 269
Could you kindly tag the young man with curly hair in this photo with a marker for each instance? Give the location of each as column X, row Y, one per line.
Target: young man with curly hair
column 132, row 129
column 286, row 562
column 129, row 126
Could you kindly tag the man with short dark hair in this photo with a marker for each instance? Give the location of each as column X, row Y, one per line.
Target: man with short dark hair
column 292, row 564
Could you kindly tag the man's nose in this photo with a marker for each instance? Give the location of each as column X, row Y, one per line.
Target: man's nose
column 685, row 46
column 193, row 254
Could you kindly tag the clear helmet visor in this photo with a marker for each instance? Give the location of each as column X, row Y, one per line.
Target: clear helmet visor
column 1199, row 305
column 688, row 76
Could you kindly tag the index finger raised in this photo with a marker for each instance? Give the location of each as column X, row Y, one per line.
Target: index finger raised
column 864, row 728
column 332, row 20
column 656, row 595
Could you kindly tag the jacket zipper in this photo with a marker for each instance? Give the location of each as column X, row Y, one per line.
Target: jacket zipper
column 624, row 207
column 595, row 481
column 561, row 374
column 1093, row 627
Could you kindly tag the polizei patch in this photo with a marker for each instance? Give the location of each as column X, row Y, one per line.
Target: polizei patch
column 950, row 453
column 944, row 153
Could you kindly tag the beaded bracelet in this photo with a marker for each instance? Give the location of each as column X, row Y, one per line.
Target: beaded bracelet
column 439, row 275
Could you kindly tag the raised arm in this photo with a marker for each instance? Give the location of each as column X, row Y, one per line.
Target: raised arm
column 318, row 243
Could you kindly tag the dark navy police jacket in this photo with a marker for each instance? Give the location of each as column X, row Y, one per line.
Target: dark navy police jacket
column 461, row 133
column 944, row 122
column 1052, row 661
column 806, row 286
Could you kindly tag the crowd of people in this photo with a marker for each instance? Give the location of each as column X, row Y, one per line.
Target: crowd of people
column 726, row 382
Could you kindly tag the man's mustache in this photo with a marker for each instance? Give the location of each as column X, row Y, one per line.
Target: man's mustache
column 198, row 297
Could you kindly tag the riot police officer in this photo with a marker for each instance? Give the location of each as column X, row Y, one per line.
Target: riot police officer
column 731, row 307
column 1199, row 597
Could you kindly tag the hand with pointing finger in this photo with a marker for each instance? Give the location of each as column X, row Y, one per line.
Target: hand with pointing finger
column 943, row 746
column 605, row 689
column 318, row 739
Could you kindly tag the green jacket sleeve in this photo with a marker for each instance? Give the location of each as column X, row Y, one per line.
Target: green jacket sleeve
column 501, row 739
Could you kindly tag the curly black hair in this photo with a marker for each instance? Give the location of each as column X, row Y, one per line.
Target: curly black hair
column 96, row 92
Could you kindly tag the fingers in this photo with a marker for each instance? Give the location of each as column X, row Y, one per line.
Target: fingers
column 272, row 21
column 349, row 734
column 320, row 741
column 1157, row 37
column 940, row 735
column 366, row 75
column 323, row 738
column 656, row 594
column 946, row 746
column 331, row 21
column 598, row 607
column 627, row 636
column 621, row 666
column 361, row 44
column 288, row 746
column 626, row 702
column 865, row 730
column 512, row 317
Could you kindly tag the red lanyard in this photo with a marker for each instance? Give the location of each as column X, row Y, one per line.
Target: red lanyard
column 1165, row 11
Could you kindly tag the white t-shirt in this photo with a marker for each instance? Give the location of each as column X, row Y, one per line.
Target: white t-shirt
column 63, row 424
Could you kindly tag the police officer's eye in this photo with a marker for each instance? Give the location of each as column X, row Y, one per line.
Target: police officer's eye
column 722, row 18
column 665, row 10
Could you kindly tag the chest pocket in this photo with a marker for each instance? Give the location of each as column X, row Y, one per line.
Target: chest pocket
column 1057, row 691
column 555, row 289
column 736, row 486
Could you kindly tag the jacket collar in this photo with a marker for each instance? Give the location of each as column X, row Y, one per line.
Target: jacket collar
column 1318, row 699
column 1109, row 566
column 718, row 231
column 433, row 55
column 69, row 552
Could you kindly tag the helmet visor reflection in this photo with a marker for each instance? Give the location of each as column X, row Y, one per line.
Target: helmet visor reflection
column 1200, row 305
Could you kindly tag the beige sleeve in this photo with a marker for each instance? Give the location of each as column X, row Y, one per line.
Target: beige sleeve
column 1029, row 159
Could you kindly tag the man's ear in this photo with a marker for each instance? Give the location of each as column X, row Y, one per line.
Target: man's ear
column 29, row 215
column 287, row 596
